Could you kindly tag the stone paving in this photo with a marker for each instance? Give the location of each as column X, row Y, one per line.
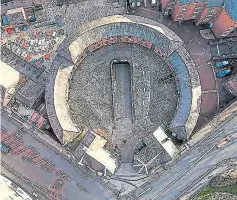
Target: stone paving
column 82, row 13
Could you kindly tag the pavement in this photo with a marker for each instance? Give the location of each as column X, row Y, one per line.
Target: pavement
column 80, row 183
column 201, row 158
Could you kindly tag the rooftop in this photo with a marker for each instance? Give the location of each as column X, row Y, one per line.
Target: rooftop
column 215, row 3
column 231, row 85
column 226, row 49
column 16, row 62
column 8, row 193
column 231, row 8
column 210, row 3
column 165, row 142
column 31, row 91
column 183, row 2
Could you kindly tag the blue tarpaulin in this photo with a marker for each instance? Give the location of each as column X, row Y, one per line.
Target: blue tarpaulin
column 24, row 28
column 60, row 23
column 5, row 20
column 231, row 8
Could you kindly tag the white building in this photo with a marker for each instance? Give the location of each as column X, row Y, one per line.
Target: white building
column 8, row 192
column 165, row 142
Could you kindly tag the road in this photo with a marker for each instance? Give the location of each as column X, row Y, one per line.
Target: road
column 44, row 167
column 199, row 160
column 169, row 186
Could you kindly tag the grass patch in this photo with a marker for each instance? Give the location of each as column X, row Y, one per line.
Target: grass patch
column 232, row 189
column 205, row 194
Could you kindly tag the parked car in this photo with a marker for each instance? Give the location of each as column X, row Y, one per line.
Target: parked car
column 223, row 73
column 222, row 63
column 223, row 142
column 5, row 148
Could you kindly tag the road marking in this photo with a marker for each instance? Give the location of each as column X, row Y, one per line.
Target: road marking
column 9, row 140
column 218, row 51
column 5, row 135
column 144, row 192
column 18, row 148
column 16, row 141
column 19, row 143
column 209, row 91
column 23, row 149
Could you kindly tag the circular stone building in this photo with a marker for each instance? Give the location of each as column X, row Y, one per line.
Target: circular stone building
column 123, row 77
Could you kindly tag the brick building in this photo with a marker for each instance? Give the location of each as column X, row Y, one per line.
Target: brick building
column 211, row 10
column 226, row 21
column 188, row 9
column 221, row 14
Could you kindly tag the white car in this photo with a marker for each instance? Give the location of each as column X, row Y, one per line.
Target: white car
column 153, row 3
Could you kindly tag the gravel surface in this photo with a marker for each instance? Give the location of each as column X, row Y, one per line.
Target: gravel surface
column 76, row 15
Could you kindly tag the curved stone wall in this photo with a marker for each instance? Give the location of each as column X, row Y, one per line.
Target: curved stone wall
column 49, row 99
column 121, row 29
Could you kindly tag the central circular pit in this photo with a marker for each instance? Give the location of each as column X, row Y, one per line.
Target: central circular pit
column 122, row 99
